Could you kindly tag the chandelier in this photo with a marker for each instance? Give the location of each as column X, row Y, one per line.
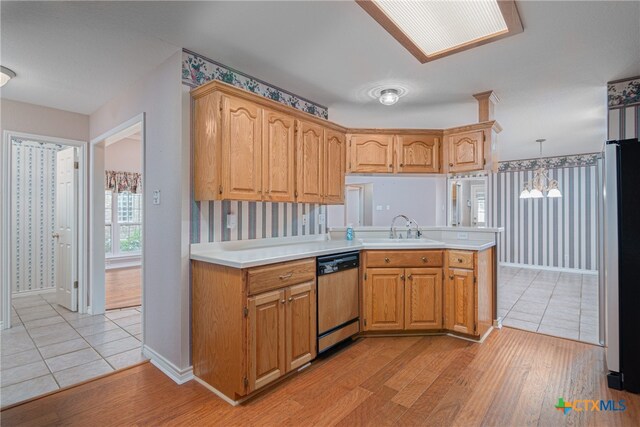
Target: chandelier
column 541, row 183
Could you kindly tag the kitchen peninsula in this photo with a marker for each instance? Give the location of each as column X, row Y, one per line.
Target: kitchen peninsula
column 254, row 302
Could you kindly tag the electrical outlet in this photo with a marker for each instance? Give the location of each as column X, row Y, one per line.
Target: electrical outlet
column 305, row 219
column 321, row 219
column 378, row 207
column 232, row 221
column 463, row 236
column 156, row 197
column 388, row 207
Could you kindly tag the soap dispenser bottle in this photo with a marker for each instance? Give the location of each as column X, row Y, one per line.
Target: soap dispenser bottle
column 349, row 231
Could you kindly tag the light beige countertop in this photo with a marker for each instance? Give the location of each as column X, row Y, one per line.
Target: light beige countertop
column 252, row 253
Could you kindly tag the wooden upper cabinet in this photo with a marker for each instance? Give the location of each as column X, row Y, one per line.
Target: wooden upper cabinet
column 278, row 154
column 460, row 300
column 334, row 167
column 384, row 290
column 241, row 149
column 206, row 173
column 466, row 151
column 423, row 298
column 310, row 155
column 267, row 360
column 300, row 325
column 369, row 153
column 418, row 154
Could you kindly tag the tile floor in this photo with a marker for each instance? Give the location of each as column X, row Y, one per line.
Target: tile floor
column 49, row 347
column 560, row 304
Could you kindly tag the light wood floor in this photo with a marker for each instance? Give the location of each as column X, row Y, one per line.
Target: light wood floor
column 514, row 378
column 123, row 287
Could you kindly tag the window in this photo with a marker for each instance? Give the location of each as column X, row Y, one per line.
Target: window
column 123, row 223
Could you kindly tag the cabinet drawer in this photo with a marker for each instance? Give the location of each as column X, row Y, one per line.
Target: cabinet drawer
column 393, row 258
column 461, row 259
column 261, row 279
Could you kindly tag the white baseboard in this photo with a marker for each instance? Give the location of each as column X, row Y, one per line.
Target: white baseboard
column 180, row 376
column 540, row 267
column 33, row 292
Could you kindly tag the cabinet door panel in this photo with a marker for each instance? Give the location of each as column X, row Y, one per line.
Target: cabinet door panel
column 266, row 338
column 460, row 301
column 466, row 151
column 334, row 167
column 241, row 149
column 423, row 298
column 301, row 325
column 278, row 153
column 371, row 154
column 384, row 290
column 418, row 154
column 206, row 159
column 310, row 146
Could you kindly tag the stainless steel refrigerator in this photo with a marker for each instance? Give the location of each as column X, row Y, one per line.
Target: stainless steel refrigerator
column 622, row 263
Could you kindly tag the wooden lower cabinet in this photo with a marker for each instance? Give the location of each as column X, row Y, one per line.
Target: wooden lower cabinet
column 423, row 298
column 300, row 327
column 460, row 297
column 266, row 338
column 385, row 299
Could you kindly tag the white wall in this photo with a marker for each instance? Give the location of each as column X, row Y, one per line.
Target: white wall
column 422, row 198
column 35, row 119
column 166, row 236
column 123, row 156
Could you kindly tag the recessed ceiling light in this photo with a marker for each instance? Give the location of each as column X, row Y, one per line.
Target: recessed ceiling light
column 5, row 75
column 389, row 96
column 433, row 29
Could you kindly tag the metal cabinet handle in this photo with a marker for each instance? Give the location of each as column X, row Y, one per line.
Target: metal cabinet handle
column 424, row 259
column 402, row 276
column 387, row 259
column 450, row 164
column 410, row 277
column 390, row 166
column 282, row 301
column 286, row 275
column 401, row 164
column 459, row 259
column 451, row 277
column 290, row 299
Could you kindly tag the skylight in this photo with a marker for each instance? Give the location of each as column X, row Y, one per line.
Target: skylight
column 430, row 29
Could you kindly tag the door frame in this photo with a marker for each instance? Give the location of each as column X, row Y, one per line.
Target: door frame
column 97, row 289
column 5, row 244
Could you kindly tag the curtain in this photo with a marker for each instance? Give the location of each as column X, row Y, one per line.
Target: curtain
column 123, row 181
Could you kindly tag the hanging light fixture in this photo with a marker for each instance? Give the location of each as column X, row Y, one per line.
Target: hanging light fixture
column 541, row 183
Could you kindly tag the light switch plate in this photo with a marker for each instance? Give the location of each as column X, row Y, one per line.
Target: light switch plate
column 156, row 197
column 232, row 221
column 305, row 219
column 321, row 219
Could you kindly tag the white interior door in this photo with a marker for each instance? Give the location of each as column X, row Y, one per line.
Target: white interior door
column 66, row 229
column 353, row 205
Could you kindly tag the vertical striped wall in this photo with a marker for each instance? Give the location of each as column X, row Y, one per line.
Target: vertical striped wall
column 623, row 99
column 546, row 232
column 255, row 220
column 33, row 215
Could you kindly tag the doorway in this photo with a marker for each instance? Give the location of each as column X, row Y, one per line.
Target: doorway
column 43, row 194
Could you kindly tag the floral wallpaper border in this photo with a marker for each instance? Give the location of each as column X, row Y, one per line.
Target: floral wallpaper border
column 198, row 70
column 551, row 162
column 623, row 94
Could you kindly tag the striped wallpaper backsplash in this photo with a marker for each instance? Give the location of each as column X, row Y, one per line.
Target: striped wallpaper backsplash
column 255, row 220
column 560, row 233
column 623, row 122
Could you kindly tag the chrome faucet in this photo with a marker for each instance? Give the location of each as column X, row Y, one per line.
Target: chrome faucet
column 392, row 232
column 416, row 227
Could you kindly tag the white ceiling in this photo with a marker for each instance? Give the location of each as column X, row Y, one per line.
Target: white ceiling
column 550, row 79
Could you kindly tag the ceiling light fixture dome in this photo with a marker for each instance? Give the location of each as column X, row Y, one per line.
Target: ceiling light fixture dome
column 389, row 96
column 541, row 182
column 5, row 75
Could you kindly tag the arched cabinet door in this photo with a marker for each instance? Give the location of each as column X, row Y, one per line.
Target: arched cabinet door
column 241, row 149
column 370, row 153
column 466, row 151
column 310, row 150
column 278, row 157
column 418, row 154
column 334, row 167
